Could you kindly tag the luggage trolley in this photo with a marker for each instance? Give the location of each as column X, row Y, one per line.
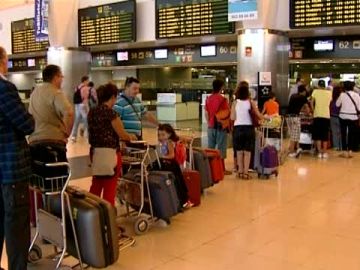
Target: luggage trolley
column 306, row 142
column 48, row 226
column 135, row 193
column 272, row 132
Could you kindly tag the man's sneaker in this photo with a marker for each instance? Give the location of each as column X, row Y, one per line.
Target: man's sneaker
column 325, row 155
column 320, row 156
column 293, row 155
column 226, row 172
column 73, row 139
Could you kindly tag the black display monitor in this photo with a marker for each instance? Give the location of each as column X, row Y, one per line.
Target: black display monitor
column 161, row 54
column 122, row 56
column 323, row 45
column 107, row 24
column 208, row 51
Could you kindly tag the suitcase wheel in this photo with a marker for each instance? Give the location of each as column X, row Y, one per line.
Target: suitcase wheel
column 141, row 225
column 35, row 254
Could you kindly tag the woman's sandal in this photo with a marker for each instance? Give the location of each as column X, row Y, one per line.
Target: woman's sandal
column 246, row 176
column 240, row 175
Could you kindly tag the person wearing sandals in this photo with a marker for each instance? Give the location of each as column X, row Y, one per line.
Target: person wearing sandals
column 244, row 130
column 349, row 101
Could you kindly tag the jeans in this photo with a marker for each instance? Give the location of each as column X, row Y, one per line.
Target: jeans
column 336, row 132
column 348, row 134
column 81, row 112
column 15, row 223
column 217, row 139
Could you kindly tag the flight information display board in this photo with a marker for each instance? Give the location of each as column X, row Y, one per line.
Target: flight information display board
column 23, row 37
column 186, row 18
column 324, row 13
column 106, row 24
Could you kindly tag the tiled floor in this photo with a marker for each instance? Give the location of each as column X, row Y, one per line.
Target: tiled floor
column 307, row 219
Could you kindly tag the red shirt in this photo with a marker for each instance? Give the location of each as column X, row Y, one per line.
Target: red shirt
column 214, row 103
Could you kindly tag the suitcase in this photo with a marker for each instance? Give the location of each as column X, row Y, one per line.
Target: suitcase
column 193, row 182
column 216, row 165
column 269, row 162
column 95, row 225
column 163, row 193
column 202, row 165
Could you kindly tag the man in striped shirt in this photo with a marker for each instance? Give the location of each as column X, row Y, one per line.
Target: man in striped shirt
column 131, row 110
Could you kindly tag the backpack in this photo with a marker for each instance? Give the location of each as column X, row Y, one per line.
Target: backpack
column 180, row 153
column 77, row 95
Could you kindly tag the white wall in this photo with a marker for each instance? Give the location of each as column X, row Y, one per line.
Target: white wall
column 9, row 15
column 24, row 81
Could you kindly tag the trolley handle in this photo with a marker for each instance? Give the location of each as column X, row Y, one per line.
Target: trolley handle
column 52, row 165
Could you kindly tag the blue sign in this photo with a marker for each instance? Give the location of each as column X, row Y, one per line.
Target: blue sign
column 242, row 10
column 41, row 20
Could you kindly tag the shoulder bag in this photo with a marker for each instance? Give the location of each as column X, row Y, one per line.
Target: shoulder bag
column 138, row 114
column 104, row 161
column 223, row 116
column 254, row 117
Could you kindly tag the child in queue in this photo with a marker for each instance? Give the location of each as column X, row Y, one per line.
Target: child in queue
column 173, row 156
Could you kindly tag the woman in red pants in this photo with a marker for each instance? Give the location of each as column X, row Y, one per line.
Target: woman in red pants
column 105, row 131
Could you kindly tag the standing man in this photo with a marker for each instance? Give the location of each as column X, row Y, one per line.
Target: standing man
column 320, row 103
column 131, row 110
column 53, row 115
column 81, row 103
column 294, row 88
column 217, row 136
column 15, row 172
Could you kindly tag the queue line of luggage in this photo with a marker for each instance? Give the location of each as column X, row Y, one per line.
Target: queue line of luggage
column 150, row 187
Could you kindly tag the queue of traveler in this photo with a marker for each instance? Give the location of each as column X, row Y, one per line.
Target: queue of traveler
column 335, row 110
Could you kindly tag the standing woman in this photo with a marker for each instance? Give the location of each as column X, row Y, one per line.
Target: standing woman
column 244, row 130
column 334, row 118
column 349, row 101
column 105, row 132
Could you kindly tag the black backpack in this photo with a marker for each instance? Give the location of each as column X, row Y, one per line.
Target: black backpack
column 77, row 96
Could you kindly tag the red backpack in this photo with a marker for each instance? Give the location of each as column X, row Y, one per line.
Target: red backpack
column 180, row 152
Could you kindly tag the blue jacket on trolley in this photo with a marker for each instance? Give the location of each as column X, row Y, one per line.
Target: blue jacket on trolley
column 15, row 124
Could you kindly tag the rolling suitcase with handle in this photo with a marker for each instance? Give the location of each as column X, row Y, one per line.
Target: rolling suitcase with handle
column 216, row 165
column 95, row 225
column 163, row 193
column 202, row 165
column 193, row 182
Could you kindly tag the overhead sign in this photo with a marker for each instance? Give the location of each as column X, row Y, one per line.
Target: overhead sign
column 242, row 10
column 329, row 13
column 41, row 24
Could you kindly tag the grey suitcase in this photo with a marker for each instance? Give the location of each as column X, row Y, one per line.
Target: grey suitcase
column 163, row 193
column 202, row 164
column 95, row 225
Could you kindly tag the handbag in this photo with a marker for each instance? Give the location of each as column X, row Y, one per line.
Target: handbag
column 253, row 115
column 356, row 108
column 223, row 116
column 104, row 161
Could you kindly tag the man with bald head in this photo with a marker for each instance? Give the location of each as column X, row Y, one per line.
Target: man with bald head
column 15, row 171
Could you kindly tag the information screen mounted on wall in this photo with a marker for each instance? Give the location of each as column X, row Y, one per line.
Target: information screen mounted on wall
column 106, row 24
column 186, row 18
column 324, row 13
column 23, row 37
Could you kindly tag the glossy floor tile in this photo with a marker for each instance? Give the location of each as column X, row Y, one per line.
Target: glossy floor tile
column 306, row 219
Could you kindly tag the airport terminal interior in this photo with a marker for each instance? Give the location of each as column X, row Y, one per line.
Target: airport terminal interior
column 305, row 216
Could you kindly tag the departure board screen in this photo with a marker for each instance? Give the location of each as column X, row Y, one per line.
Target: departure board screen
column 106, row 24
column 186, row 18
column 23, row 37
column 324, row 13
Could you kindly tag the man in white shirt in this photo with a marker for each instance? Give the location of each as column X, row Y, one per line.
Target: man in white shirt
column 294, row 88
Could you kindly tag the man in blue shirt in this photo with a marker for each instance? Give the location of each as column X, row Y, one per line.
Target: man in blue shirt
column 131, row 110
column 15, row 171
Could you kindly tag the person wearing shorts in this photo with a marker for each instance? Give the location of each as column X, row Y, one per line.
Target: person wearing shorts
column 298, row 103
column 244, row 131
column 320, row 102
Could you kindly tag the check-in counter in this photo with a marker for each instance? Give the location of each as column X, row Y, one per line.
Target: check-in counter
column 171, row 108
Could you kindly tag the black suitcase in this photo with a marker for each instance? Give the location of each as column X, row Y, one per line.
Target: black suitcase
column 95, row 225
column 163, row 193
column 202, row 164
